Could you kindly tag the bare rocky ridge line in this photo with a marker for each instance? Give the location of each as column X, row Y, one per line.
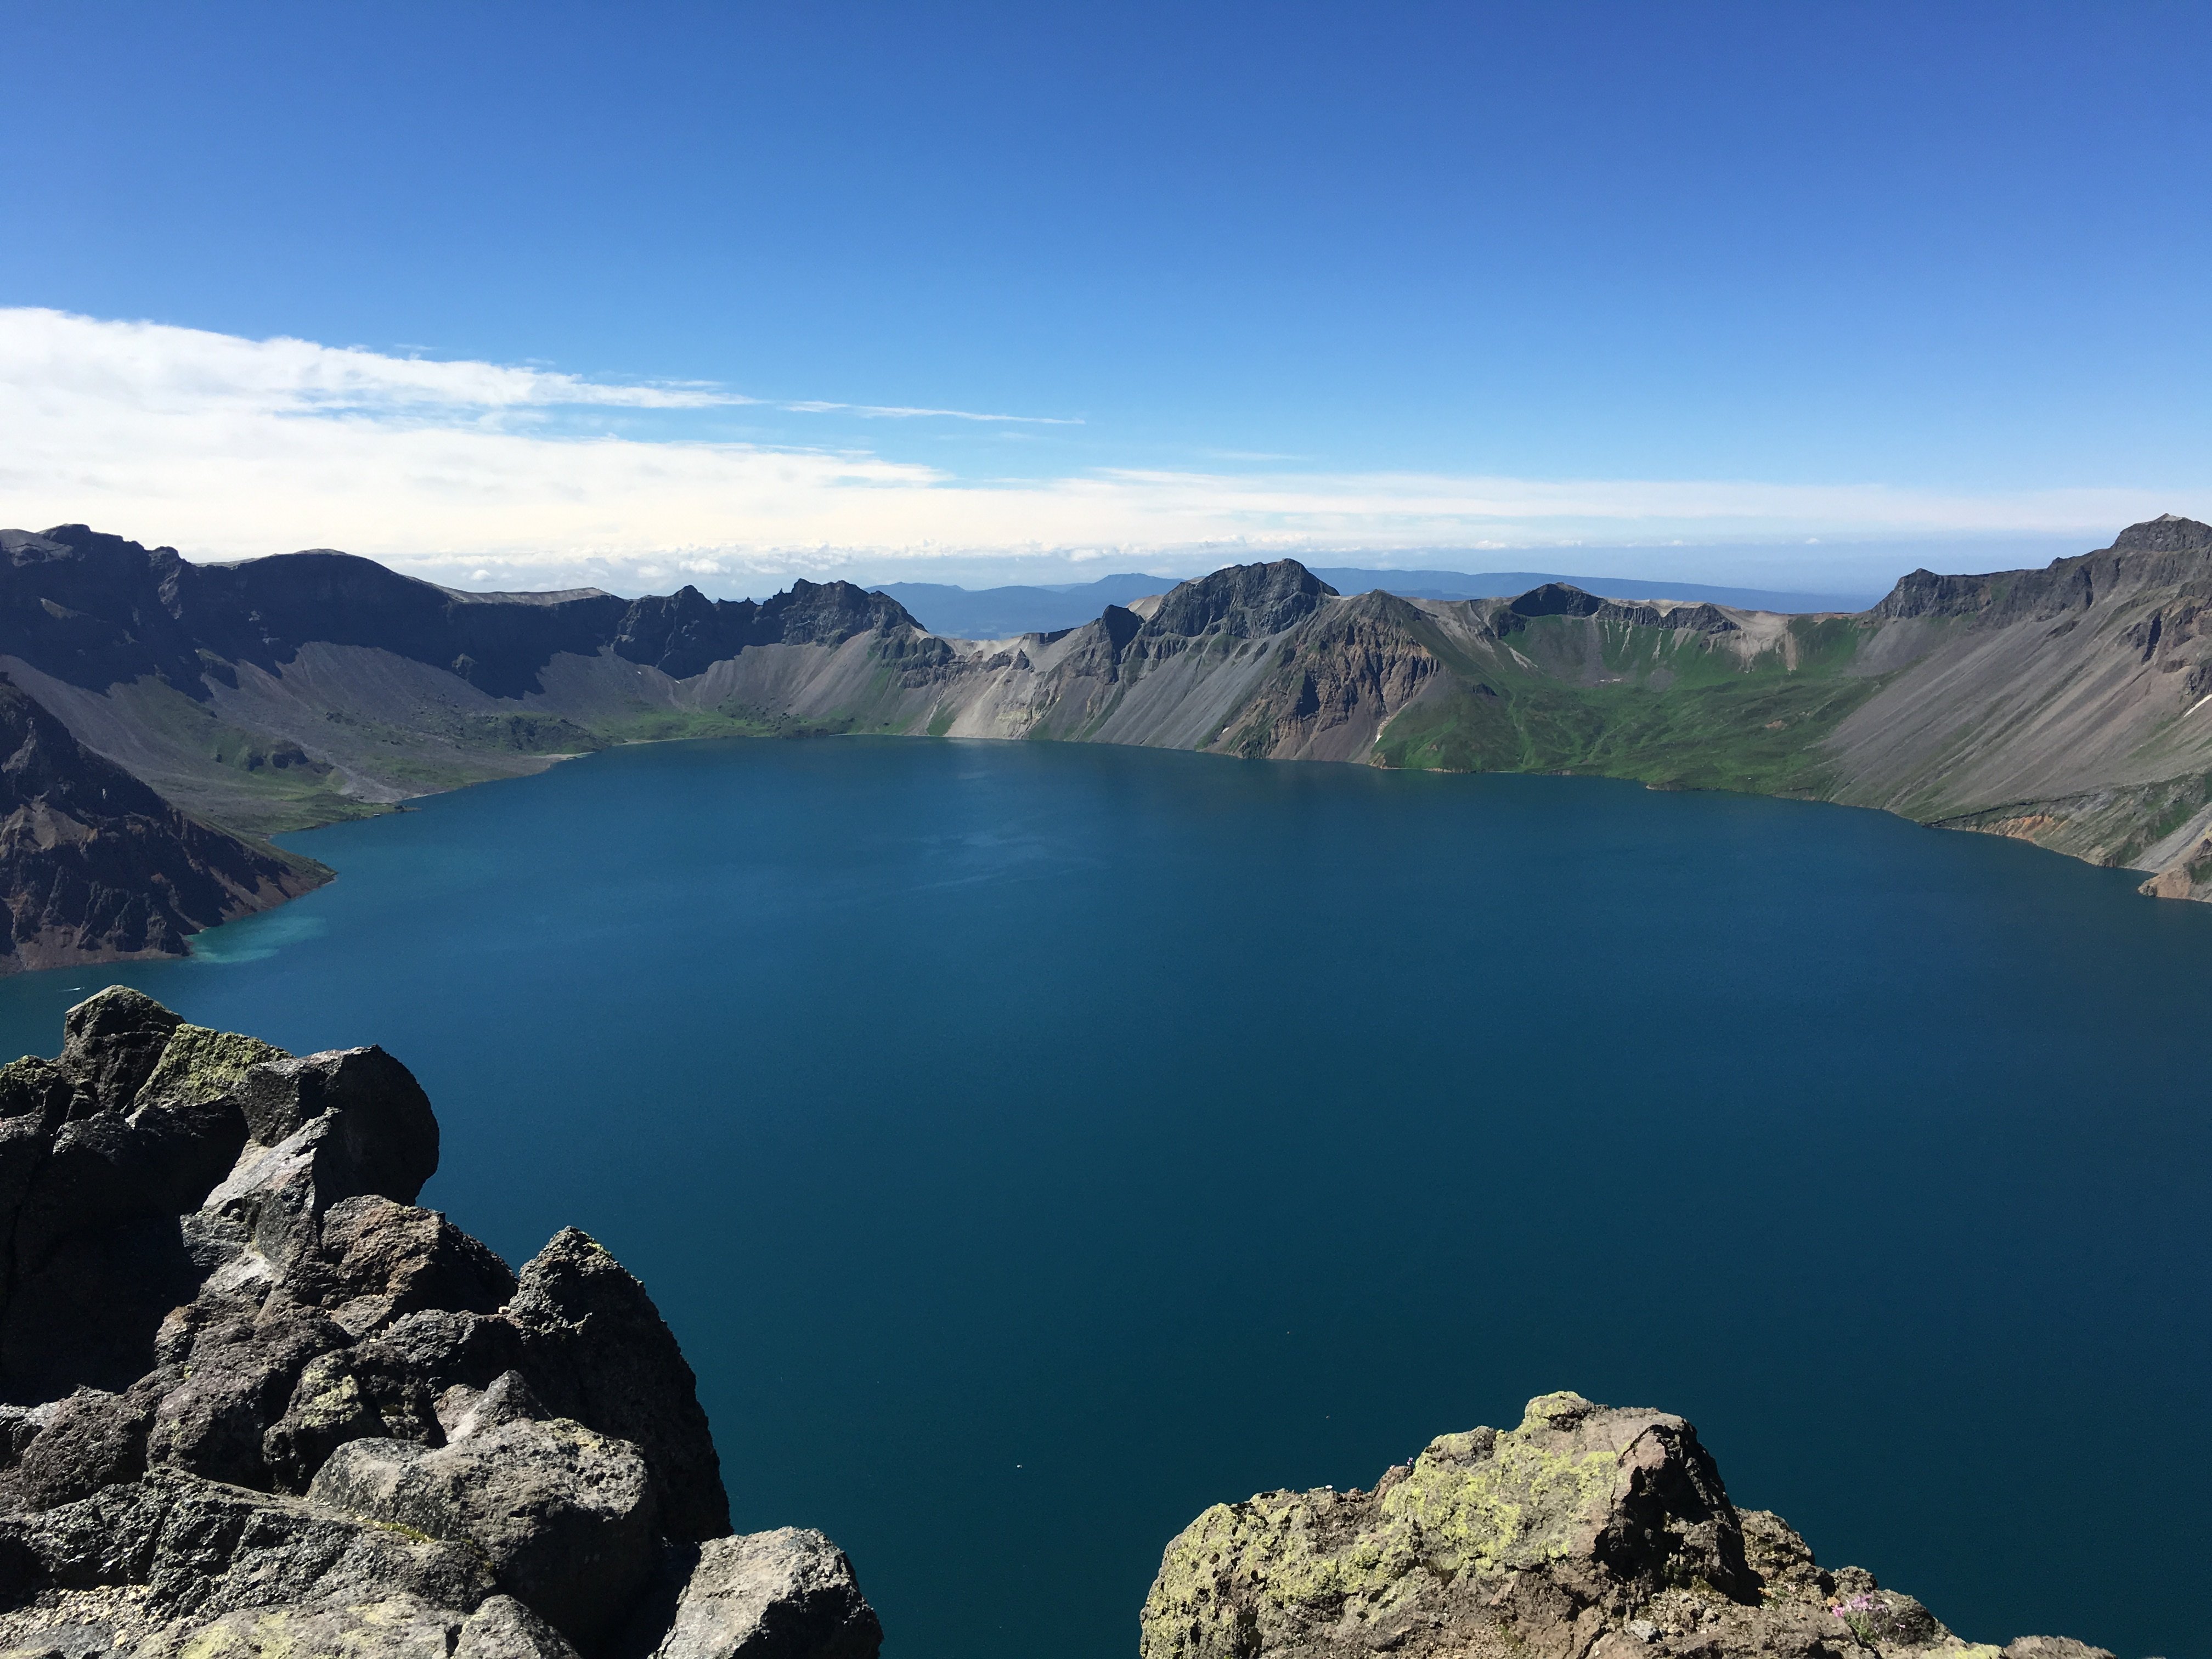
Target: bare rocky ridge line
column 259, row 1403
column 2071, row 707
column 1585, row 1533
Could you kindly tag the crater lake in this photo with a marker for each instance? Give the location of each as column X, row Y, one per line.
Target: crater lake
column 1032, row 1144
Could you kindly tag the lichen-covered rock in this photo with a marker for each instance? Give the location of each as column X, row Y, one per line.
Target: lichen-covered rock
column 198, row 1064
column 502, row 1628
column 399, row 1625
column 254, row 1402
column 395, row 1627
column 1586, row 1533
column 188, row 1549
column 2052, row 1647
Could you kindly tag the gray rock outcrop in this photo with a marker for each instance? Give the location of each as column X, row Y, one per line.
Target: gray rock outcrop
column 776, row 1594
column 254, row 1401
column 1586, row 1533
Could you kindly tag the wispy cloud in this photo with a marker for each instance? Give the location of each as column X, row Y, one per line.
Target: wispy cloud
column 229, row 447
column 883, row 412
column 157, row 367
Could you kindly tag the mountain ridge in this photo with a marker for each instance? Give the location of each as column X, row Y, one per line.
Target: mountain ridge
column 1008, row 613
column 2061, row 705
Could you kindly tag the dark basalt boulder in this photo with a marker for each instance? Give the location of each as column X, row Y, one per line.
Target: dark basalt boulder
column 258, row 1402
column 597, row 1350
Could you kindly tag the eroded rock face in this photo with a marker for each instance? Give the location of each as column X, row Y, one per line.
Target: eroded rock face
column 597, row 1350
column 565, row 1517
column 1586, row 1533
column 772, row 1595
column 258, row 1401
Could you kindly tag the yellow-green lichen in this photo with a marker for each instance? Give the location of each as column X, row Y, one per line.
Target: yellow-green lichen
column 331, row 1396
column 1525, row 1504
column 200, row 1064
column 1479, row 1501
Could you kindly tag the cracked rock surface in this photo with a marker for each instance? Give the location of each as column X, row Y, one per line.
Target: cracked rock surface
column 254, row 1402
column 1586, row 1533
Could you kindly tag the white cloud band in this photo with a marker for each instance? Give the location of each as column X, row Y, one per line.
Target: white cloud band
column 229, row 447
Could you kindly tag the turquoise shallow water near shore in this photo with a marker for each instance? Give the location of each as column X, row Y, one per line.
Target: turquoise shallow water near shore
column 1032, row 1144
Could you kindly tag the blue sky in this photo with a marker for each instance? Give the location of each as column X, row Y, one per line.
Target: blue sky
column 1805, row 281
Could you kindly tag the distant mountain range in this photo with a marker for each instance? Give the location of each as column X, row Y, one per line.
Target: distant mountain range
column 999, row 613
column 164, row 715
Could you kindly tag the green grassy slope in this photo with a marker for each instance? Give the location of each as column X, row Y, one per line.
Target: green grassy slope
column 1665, row 707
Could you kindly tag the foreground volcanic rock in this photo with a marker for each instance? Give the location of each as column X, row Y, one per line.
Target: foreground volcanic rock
column 1586, row 1533
column 260, row 1403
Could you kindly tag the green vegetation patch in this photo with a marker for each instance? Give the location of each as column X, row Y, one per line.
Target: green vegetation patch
column 1709, row 721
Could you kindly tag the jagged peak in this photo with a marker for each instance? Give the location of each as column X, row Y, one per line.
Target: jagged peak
column 1556, row 599
column 80, row 543
column 1244, row 600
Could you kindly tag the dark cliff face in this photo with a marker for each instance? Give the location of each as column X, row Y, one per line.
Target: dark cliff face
column 1337, row 683
column 94, row 865
column 2167, row 551
column 686, row 633
column 93, row 608
column 1245, row 601
column 261, row 1402
column 1562, row 599
column 1555, row 599
column 2169, row 532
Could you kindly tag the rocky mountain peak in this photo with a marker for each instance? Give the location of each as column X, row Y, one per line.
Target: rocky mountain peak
column 2169, row 532
column 1247, row 601
column 1556, row 599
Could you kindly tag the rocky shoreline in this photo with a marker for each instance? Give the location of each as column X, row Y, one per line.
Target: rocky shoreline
column 259, row 1403
column 1585, row 1533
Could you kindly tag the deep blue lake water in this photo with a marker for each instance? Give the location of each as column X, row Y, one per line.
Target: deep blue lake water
column 1032, row 1144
